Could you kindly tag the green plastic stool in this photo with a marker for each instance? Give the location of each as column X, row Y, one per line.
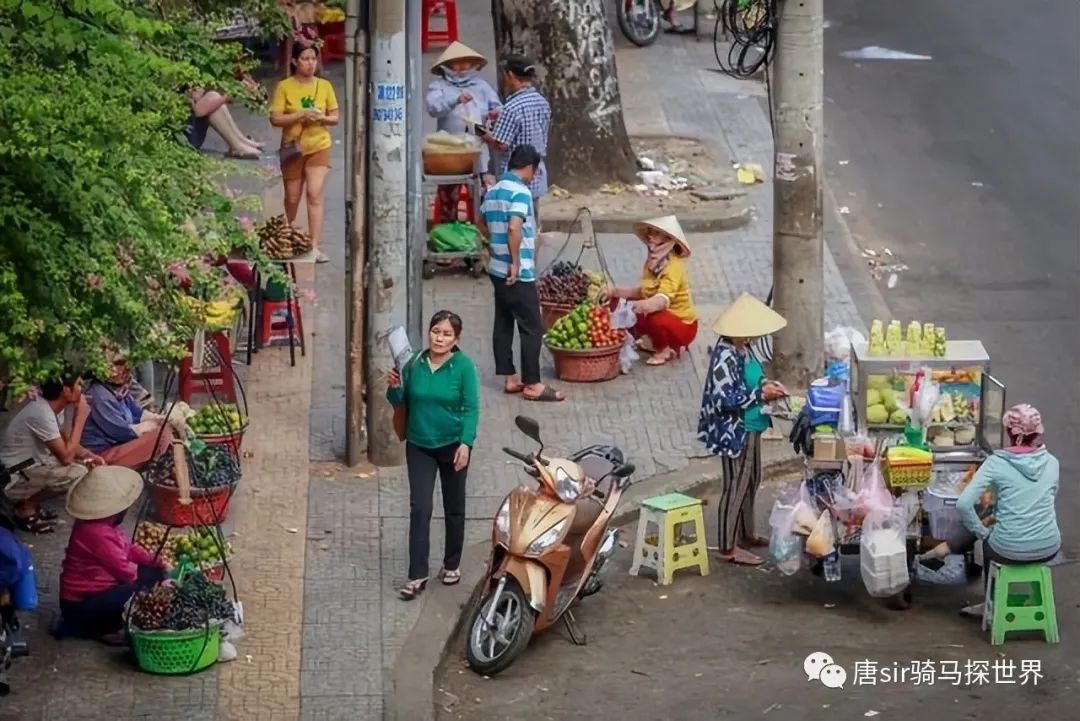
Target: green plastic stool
column 1006, row 610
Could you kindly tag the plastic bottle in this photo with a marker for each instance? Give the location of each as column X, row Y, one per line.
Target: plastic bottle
column 832, row 566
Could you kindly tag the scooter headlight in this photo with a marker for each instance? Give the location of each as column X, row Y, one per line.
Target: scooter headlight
column 547, row 539
column 568, row 489
column 502, row 523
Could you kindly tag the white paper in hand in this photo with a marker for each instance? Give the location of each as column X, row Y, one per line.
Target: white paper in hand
column 400, row 348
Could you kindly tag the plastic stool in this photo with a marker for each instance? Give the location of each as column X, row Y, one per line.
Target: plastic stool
column 449, row 34
column 670, row 547
column 272, row 327
column 214, row 375
column 1005, row 611
column 465, row 210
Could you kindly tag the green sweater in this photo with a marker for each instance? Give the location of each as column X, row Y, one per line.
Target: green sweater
column 443, row 406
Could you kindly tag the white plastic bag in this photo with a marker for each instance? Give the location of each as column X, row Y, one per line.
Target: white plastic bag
column 627, row 356
column 883, row 553
column 785, row 546
column 838, row 343
column 873, row 495
column 623, row 316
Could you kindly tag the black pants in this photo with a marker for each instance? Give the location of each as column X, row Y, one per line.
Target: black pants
column 423, row 464
column 103, row 613
column 518, row 303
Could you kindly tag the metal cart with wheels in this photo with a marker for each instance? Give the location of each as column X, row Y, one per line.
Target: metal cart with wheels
column 472, row 261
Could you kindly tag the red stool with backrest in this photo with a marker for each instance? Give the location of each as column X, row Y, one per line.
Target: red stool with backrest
column 445, row 36
column 273, row 327
column 214, row 375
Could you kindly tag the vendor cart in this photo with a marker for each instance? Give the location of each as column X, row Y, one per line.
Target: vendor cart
column 970, row 430
column 472, row 260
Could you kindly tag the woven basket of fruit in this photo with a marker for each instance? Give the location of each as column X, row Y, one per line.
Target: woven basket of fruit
column 563, row 286
column 221, row 424
column 202, row 548
column 214, row 473
column 448, row 154
column 584, row 346
column 176, row 628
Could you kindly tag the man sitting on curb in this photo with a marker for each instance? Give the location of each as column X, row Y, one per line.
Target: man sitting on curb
column 37, row 432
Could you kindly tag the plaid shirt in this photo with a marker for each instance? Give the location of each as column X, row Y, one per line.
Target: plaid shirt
column 524, row 120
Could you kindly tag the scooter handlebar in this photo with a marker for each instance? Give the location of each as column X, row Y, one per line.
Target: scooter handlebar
column 526, row 459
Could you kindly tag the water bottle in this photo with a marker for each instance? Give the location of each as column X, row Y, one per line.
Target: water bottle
column 832, row 566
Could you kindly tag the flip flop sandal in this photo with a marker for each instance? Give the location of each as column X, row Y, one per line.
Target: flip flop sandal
column 35, row 524
column 745, row 558
column 548, row 395
column 450, row 578
column 243, row 156
column 412, row 589
column 513, row 391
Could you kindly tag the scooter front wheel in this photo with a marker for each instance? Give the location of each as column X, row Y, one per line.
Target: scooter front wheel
column 492, row 646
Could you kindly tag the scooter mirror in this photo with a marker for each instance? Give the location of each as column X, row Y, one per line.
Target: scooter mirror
column 624, row 471
column 529, row 427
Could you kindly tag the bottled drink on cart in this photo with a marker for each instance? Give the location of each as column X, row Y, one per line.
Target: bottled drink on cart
column 832, row 566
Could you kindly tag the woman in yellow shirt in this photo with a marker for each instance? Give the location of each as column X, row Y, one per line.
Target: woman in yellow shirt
column 663, row 305
column 303, row 106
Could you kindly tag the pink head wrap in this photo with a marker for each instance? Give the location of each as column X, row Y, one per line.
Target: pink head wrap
column 1024, row 423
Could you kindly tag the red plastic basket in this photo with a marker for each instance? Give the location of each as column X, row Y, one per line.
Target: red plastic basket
column 586, row 366
column 551, row 312
column 333, row 46
column 208, row 506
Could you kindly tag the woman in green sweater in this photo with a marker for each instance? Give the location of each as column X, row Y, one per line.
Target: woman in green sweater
column 440, row 389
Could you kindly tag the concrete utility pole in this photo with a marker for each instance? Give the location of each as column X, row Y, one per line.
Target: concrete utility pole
column 798, row 238
column 387, row 277
column 356, row 93
column 417, row 220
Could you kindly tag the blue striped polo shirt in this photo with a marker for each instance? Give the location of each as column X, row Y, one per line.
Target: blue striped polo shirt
column 510, row 198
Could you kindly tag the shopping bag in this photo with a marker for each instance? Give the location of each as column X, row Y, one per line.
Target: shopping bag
column 628, row 355
column 822, row 540
column 785, row 546
column 455, row 237
column 623, row 316
column 883, row 553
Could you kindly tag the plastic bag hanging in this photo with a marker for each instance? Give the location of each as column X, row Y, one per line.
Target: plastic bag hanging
column 623, row 316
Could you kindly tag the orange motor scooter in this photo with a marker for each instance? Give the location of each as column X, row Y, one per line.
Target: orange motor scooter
column 548, row 548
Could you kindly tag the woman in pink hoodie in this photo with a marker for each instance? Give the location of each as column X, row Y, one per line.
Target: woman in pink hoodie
column 102, row 569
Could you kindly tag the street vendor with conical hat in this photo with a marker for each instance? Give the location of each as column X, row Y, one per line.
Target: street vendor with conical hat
column 460, row 100
column 662, row 303
column 102, row 569
column 730, row 422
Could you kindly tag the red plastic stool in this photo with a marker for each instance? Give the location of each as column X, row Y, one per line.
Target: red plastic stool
column 274, row 321
column 214, row 375
column 466, row 207
column 445, row 36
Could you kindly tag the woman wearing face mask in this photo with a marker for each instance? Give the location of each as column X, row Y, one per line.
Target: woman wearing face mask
column 441, row 393
column 304, row 106
column 459, row 99
column 118, row 428
column 662, row 303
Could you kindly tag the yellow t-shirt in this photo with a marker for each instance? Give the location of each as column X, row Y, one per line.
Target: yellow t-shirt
column 673, row 282
column 291, row 95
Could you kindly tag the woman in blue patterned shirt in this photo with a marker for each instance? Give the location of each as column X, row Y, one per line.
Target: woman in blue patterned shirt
column 730, row 422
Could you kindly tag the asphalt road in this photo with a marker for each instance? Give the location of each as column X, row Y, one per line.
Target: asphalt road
column 967, row 166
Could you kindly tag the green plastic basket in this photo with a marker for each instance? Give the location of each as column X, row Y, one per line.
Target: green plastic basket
column 173, row 653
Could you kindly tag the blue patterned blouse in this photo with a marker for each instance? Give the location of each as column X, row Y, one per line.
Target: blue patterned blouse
column 725, row 397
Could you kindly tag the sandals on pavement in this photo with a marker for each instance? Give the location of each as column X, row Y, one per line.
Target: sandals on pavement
column 450, row 578
column 412, row 589
column 741, row 557
column 548, row 395
column 35, row 523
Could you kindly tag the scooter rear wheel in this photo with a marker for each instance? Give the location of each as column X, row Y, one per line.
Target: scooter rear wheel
column 491, row 650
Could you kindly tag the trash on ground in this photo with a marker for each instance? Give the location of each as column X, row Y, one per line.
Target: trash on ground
column 612, row 188
column 843, row 162
column 893, row 279
column 558, row 192
column 844, row 210
column 660, row 180
column 646, row 163
column 874, row 52
column 749, row 173
column 976, row 184
column 871, row 713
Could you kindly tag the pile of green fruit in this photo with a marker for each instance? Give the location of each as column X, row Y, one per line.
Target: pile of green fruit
column 203, row 548
column 882, row 405
column 220, row 419
column 583, row 328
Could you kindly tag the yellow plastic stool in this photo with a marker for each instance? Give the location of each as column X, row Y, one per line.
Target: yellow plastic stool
column 670, row 547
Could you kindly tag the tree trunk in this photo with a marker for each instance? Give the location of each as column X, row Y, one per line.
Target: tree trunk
column 571, row 43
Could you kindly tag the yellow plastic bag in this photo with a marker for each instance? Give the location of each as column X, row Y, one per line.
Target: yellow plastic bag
column 822, row 540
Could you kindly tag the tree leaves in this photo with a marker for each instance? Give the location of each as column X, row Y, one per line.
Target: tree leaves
column 98, row 180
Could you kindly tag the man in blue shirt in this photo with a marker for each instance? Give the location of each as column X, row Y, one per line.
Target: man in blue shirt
column 507, row 219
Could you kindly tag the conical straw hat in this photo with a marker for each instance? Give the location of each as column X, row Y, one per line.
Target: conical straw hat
column 668, row 225
column 458, row 51
column 103, row 492
column 748, row 317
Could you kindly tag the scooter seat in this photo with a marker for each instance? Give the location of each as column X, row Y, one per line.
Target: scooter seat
column 586, row 511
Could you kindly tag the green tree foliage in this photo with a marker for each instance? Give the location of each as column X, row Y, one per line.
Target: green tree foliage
column 99, row 191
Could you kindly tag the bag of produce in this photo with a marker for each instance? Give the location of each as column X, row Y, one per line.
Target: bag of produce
column 822, row 540
column 785, row 546
column 883, row 553
column 455, row 237
column 873, row 494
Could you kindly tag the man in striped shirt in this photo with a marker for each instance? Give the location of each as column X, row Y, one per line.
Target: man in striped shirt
column 524, row 119
column 507, row 220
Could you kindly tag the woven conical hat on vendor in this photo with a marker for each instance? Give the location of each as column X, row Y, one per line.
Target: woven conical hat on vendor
column 458, row 51
column 667, row 225
column 104, row 492
column 748, row 317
